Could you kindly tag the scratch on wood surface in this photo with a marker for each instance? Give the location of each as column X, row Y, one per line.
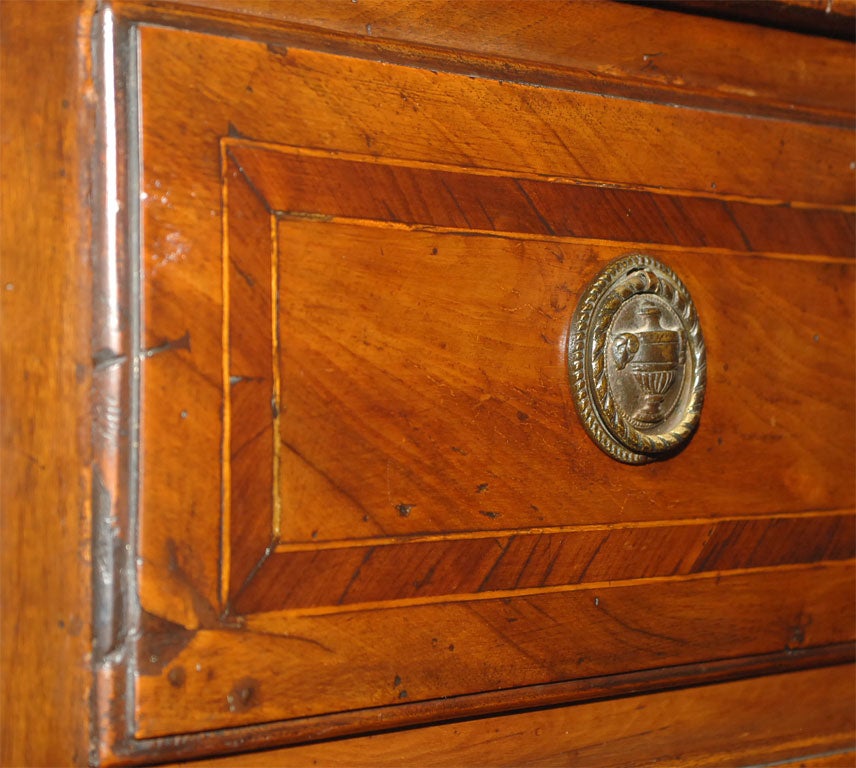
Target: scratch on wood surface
column 638, row 630
column 356, row 575
column 170, row 345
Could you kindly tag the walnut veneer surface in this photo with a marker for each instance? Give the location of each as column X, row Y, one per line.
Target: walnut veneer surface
column 287, row 297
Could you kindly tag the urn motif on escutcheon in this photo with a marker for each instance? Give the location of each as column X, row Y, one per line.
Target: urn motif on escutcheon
column 654, row 356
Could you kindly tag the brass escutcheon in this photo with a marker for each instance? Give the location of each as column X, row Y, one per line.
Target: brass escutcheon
column 637, row 360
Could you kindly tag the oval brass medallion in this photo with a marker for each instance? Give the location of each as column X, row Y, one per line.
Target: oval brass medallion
column 637, row 360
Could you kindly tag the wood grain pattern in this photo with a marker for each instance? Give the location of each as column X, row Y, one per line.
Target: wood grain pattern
column 251, row 439
column 636, row 52
column 476, row 365
column 46, row 133
column 796, row 719
column 426, row 195
column 358, row 660
column 381, row 573
column 305, row 98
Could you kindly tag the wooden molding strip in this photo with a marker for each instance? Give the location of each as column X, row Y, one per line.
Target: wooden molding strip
column 681, row 59
column 128, row 751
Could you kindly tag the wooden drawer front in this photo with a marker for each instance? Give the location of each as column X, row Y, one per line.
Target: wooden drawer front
column 362, row 481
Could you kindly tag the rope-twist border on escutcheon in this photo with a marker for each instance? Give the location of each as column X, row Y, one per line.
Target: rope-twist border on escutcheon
column 634, row 274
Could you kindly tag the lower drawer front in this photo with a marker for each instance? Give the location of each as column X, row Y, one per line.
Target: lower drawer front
column 801, row 717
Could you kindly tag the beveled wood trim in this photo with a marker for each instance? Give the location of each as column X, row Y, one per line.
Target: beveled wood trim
column 321, row 580
column 803, row 718
column 251, row 446
column 481, row 200
column 665, row 623
column 542, row 115
column 678, row 59
column 129, row 751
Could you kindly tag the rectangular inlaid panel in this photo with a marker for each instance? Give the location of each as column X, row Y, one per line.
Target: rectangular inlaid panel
column 389, row 405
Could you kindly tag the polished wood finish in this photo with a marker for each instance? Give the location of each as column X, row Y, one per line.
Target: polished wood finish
column 693, row 59
column 366, row 412
column 383, row 655
column 46, row 131
column 522, row 310
column 300, row 340
column 791, row 719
